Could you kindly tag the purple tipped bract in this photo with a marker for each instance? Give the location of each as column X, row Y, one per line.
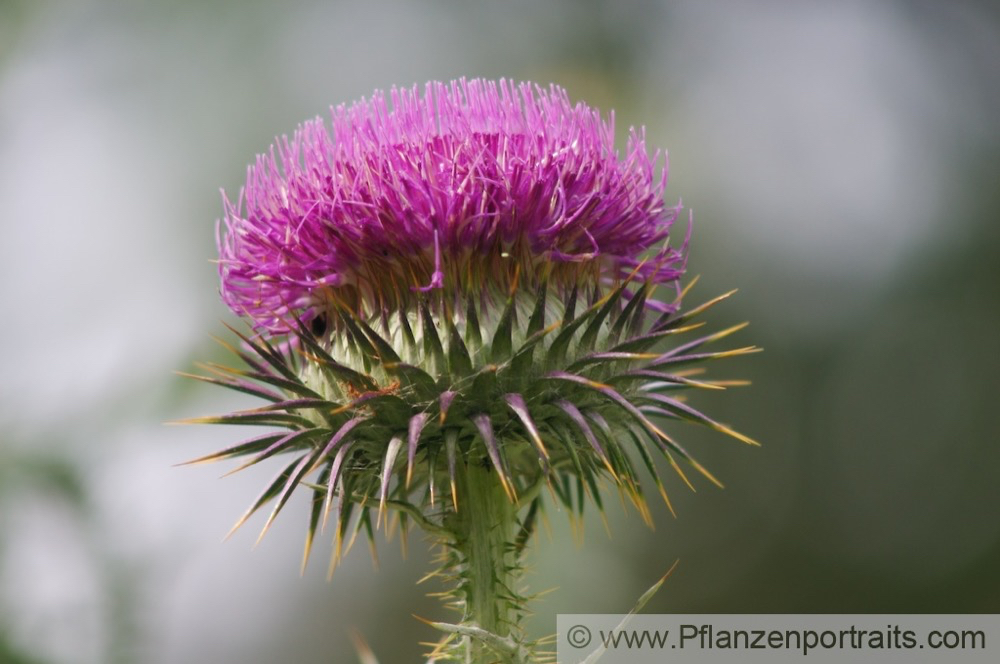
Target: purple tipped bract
column 463, row 188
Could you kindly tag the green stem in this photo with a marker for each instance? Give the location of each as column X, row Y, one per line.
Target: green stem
column 484, row 528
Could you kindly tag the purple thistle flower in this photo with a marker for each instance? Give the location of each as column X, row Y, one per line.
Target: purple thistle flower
column 456, row 300
column 456, row 189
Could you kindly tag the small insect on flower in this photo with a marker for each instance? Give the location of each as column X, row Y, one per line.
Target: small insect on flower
column 317, row 326
column 460, row 297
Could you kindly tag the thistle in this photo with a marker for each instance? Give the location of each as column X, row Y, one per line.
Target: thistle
column 463, row 303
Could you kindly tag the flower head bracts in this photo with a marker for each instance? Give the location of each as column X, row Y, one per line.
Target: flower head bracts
column 455, row 189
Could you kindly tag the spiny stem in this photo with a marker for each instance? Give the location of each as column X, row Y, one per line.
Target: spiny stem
column 484, row 526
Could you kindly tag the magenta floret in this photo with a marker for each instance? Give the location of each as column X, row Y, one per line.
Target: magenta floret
column 457, row 188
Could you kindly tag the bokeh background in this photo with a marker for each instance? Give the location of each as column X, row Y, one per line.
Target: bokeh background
column 842, row 160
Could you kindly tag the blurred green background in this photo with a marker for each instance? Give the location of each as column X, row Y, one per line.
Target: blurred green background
column 842, row 160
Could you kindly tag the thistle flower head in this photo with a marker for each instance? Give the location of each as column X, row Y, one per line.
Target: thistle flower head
column 461, row 298
column 457, row 189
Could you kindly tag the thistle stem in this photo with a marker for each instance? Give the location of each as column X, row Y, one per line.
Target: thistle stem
column 484, row 528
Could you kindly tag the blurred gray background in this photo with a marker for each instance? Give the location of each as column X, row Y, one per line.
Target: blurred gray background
column 842, row 160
